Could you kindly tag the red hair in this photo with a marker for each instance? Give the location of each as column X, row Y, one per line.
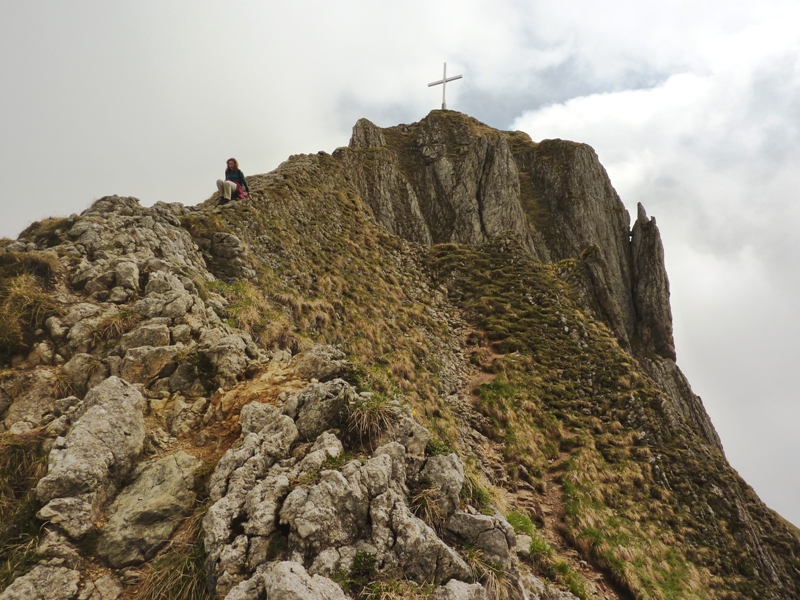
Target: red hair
column 235, row 162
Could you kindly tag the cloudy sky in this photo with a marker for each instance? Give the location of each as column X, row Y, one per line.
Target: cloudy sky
column 693, row 107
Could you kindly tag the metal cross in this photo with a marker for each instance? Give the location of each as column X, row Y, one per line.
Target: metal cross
column 443, row 83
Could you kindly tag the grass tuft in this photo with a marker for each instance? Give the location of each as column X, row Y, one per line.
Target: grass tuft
column 22, row 464
column 178, row 573
column 370, row 416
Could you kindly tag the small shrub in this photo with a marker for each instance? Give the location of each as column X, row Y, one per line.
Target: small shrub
column 437, row 447
column 521, row 523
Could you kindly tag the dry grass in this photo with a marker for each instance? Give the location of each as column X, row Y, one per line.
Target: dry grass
column 114, row 326
column 178, row 572
column 426, row 503
column 498, row 584
column 22, row 464
column 369, row 417
column 24, row 307
column 398, row 589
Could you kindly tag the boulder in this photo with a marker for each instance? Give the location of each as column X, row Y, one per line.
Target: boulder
column 147, row 512
column 28, row 398
column 127, row 275
column 143, row 365
column 422, row 555
column 287, row 581
column 84, row 371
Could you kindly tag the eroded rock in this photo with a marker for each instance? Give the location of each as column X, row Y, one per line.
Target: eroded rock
column 147, row 512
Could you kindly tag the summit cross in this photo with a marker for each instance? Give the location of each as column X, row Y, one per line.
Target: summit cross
column 443, row 83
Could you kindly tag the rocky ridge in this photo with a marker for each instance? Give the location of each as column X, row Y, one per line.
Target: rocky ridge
column 380, row 375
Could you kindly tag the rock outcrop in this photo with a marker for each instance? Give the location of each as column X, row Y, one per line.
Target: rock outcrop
column 333, row 387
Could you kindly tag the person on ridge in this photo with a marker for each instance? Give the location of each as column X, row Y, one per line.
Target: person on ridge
column 235, row 184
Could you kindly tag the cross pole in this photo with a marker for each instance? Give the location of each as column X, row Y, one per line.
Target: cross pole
column 443, row 83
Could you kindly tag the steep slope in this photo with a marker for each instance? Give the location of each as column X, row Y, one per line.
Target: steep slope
column 435, row 364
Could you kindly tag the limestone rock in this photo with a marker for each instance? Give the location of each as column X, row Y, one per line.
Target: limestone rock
column 156, row 334
column 246, row 487
column 446, row 474
column 144, row 364
column 320, row 362
column 44, row 583
column 27, row 399
column 458, row 590
column 146, row 513
column 287, row 581
column 493, row 535
column 85, row 371
column 100, row 447
column 320, row 406
column 423, row 556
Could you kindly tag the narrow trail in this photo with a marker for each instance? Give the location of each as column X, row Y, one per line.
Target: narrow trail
column 547, row 507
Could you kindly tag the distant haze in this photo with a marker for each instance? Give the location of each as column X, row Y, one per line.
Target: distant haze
column 694, row 109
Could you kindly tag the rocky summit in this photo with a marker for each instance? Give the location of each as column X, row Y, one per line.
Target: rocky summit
column 436, row 364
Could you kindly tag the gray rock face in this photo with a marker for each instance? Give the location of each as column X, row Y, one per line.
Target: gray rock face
column 492, row 535
column 446, row 474
column 27, row 400
column 288, row 581
column 320, row 406
column 244, row 488
column 44, row 583
column 320, row 362
column 423, row 556
column 458, row 590
column 101, row 447
column 156, row 334
column 432, row 195
column 146, row 513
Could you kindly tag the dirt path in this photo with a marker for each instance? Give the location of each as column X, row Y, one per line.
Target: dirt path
column 547, row 506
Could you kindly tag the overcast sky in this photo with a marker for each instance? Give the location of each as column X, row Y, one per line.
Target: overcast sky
column 693, row 107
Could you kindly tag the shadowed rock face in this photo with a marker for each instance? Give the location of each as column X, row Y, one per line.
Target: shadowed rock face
column 449, row 178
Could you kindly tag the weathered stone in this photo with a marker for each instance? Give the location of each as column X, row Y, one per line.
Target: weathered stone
column 423, row 556
column 320, row 362
column 44, row 583
column 446, row 474
column 458, row 590
column 127, row 275
column 85, row 371
column 144, row 364
column 145, row 335
column 493, row 535
column 320, row 406
column 146, row 513
column 27, row 396
column 290, row 581
column 255, row 416
column 101, row 446
column 245, row 488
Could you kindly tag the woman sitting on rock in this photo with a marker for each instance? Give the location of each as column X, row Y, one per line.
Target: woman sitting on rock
column 235, row 184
